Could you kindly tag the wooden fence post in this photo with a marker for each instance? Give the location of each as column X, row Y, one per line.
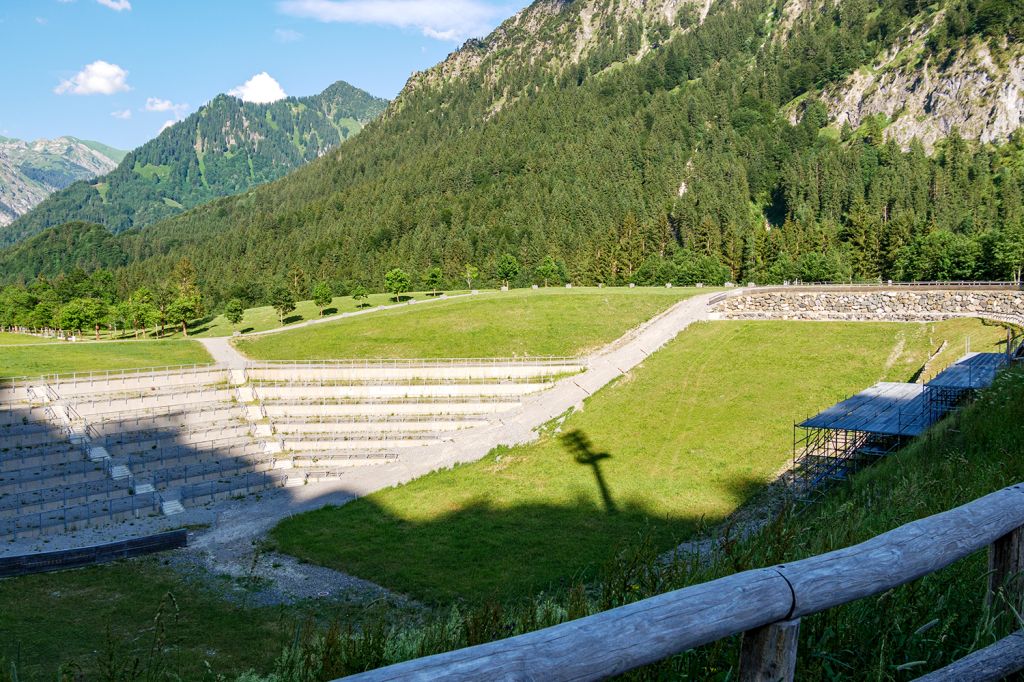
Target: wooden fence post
column 1005, row 567
column 768, row 654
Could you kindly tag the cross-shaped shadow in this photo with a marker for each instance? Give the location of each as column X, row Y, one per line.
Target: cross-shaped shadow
column 577, row 443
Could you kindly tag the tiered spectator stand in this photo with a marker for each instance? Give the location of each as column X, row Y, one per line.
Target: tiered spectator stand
column 328, row 417
column 47, row 482
column 95, row 449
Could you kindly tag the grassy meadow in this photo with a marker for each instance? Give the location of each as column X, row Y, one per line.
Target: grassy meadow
column 265, row 318
column 13, row 339
column 65, row 358
column 553, row 321
column 681, row 442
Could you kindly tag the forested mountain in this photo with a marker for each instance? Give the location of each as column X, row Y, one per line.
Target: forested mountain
column 224, row 148
column 670, row 140
column 31, row 171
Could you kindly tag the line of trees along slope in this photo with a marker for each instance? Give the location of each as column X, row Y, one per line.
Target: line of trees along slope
column 637, row 168
column 226, row 147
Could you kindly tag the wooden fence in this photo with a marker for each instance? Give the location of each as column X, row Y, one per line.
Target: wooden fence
column 764, row 604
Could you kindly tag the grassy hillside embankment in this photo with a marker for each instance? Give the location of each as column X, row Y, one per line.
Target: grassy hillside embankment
column 679, row 442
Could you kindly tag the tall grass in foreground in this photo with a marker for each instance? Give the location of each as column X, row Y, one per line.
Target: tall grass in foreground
column 896, row 636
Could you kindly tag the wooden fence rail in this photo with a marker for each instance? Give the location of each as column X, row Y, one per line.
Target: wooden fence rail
column 765, row 604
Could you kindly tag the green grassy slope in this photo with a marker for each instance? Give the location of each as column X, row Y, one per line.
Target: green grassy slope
column 65, row 358
column 265, row 317
column 895, row 636
column 110, row 152
column 501, row 324
column 690, row 436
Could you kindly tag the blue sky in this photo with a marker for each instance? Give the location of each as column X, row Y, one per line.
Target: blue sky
column 118, row 70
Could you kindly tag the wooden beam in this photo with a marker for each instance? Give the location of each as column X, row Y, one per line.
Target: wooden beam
column 768, row 654
column 903, row 554
column 1005, row 567
column 994, row 662
column 612, row 642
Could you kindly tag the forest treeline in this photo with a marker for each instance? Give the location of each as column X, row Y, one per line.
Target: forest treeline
column 681, row 166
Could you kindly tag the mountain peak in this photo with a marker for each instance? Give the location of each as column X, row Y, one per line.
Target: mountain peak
column 225, row 147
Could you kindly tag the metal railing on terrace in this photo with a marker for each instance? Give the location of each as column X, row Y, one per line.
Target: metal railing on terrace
column 891, row 284
column 105, row 375
column 70, row 518
column 371, row 363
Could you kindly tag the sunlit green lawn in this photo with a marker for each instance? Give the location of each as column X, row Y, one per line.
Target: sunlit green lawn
column 66, row 357
column 685, row 438
column 497, row 324
column 265, row 317
column 9, row 339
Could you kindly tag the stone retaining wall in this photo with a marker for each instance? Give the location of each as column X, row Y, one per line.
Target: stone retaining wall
column 898, row 306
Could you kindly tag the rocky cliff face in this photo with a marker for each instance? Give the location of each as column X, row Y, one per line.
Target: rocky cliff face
column 31, row 171
column 977, row 96
column 976, row 89
column 556, row 34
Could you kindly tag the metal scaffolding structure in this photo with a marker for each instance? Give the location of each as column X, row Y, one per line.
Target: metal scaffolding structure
column 879, row 420
column 960, row 381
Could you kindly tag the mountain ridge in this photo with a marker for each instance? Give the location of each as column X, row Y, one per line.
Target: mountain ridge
column 32, row 170
column 641, row 142
column 225, row 147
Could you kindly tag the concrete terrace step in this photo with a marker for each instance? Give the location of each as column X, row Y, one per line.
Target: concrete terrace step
column 385, row 408
column 396, row 427
column 172, row 507
column 67, row 387
column 344, row 444
column 459, row 391
column 327, row 460
column 404, row 372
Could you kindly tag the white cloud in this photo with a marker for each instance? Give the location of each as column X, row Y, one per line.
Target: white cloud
column 41, row 21
column 449, row 20
column 287, row 35
column 122, row 114
column 261, row 88
column 98, row 78
column 116, row 5
column 167, row 124
column 157, row 104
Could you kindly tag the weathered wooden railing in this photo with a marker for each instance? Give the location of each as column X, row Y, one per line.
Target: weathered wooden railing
column 764, row 604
